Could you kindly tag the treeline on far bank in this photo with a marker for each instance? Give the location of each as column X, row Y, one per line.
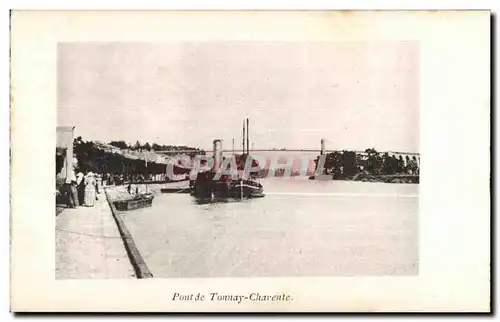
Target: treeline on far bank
column 370, row 166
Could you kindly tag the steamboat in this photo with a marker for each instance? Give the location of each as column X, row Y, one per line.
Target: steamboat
column 210, row 184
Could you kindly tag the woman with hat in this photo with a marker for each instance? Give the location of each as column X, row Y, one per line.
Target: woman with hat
column 90, row 195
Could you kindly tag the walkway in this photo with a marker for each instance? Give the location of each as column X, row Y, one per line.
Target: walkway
column 89, row 245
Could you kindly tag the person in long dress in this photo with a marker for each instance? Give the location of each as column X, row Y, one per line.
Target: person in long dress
column 72, row 187
column 90, row 189
column 80, row 182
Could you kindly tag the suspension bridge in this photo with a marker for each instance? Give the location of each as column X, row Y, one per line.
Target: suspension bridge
column 278, row 150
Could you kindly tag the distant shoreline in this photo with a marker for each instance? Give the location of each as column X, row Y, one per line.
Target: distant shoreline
column 396, row 178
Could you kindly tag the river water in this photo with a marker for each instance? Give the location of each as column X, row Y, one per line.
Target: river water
column 301, row 228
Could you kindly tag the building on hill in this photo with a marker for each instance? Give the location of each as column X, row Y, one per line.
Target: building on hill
column 107, row 147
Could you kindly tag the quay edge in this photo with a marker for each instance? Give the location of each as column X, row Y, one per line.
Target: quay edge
column 140, row 267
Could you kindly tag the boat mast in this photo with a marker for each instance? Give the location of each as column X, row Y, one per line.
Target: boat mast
column 243, row 141
column 146, row 159
column 248, row 139
column 242, row 154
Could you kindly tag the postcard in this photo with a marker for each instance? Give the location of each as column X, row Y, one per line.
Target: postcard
column 250, row 161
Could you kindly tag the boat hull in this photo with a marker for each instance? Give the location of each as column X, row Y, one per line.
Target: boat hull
column 136, row 203
column 221, row 189
column 245, row 190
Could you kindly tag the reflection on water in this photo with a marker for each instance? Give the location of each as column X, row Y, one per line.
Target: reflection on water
column 301, row 228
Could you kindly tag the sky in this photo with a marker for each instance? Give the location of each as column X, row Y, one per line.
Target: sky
column 356, row 95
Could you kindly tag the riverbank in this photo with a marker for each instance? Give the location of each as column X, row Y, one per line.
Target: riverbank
column 140, row 267
column 364, row 177
column 89, row 244
column 396, row 178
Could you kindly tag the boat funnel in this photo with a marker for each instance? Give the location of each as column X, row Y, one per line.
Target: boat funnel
column 217, row 154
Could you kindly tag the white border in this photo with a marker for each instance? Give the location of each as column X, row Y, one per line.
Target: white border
column 456, row 129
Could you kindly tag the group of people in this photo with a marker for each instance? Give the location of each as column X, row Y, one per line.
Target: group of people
column 82, row 189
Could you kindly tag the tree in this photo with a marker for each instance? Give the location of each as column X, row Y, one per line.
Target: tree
column 137, row 145
column 60, row 158
column 147, row 147
column 374, row 161
column 400, row 165
column 349, row 164
column 78, row 141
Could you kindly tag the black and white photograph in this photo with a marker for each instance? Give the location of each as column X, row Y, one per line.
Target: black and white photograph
column 250, row 161
column 237, row 159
